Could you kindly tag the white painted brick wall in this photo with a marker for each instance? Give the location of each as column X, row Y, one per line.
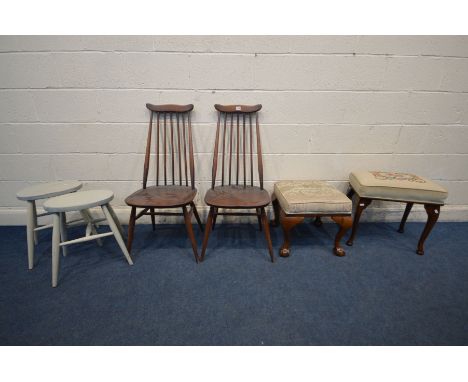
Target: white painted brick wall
column 73, row 107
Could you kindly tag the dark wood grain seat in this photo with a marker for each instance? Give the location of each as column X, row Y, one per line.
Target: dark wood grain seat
column 162, row 197
column 174, row 169
column 238, row 145
column 237, row 197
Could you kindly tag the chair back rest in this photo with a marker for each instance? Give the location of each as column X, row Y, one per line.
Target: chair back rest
column 237, row 143
column 173, row 145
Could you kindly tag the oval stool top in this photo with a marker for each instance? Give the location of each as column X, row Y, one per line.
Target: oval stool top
column 78, row 201
column 48, row 190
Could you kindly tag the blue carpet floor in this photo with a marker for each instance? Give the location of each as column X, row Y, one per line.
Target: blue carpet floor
column 381, row 293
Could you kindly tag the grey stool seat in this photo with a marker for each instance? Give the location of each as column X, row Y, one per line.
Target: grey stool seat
column 78, row 201
column 48, row 190
column 42, row 191
column 81, row 201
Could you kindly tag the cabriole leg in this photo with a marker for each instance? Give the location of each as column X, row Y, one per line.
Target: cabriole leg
column 408, row 207
column 287, row 223
column 344, row 222
column 433, row 212
column 362, row 204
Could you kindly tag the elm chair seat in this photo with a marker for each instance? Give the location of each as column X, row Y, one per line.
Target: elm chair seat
column 78, row 201
column 237, row 197
column 398, row 187
column 296, row 200
column 170, row 134
column 43, row 191
column 162, row 196
column 81, row 201
column 48, row 190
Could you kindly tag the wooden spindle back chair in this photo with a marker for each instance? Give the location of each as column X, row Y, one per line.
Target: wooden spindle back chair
column 237, row 169
column 174, row 169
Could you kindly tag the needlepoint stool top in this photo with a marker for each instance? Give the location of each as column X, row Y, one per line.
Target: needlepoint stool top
column 397, row 186
column 311, row 197
column 48, row 190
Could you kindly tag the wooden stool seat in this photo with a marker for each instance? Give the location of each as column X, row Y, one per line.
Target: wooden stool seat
column 297, row 200
column 48, row 190
column 81, row 201
column 162, row 196
column 43, row 191
column 397, row 187
column 78, row 201
column 237, row 197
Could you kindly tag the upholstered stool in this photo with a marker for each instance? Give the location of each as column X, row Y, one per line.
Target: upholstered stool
column 397, row 187
column 296, row 200
column 41, row 191
column 79, row 201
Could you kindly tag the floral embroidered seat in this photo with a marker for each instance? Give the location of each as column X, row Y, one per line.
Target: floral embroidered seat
column 296, row 200
column 398, row 187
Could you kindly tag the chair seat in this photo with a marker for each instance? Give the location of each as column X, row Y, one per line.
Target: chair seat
column 78, row 201
column 162, row 196
column 48, row 190
column 311, row 197
column 237, row 197
column 397, row 186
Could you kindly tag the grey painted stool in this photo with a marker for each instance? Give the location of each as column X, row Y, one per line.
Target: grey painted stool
column 37, row 192
column 80, row 201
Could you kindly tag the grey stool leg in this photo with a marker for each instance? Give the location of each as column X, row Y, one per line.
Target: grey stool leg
column 63, row 231
column 116, row 220
column 30, row 225
column 115, row 230
column 55, row 248
column 87, row 217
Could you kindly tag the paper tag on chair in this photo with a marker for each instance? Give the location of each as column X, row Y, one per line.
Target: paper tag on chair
column 238, row 108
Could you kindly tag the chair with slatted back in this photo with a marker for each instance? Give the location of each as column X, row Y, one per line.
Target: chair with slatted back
column 175, row 170
column 238, row 137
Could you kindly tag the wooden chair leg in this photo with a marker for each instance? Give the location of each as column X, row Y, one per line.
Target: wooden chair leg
column 197, row 217
column 188, row 225
column 131, row 229
column 318, row 221
column 55, row 248
column 287, row 223
column 63, row 231
column 362, row 203
column 215, row 215
column 30, row 232
column 153, row 219
column 259, row 218
column 266, row 227
column 345, row 223
column 276, row 212
column 433, row 212
column 401, row 229
column 209, row 224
